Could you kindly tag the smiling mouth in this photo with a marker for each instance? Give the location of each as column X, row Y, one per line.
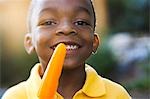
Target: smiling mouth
column 70, row 46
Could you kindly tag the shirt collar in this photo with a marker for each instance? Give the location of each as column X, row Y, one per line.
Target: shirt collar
column 34, row 81
column 94, row 85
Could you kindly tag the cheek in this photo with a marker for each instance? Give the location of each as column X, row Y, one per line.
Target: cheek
column 41, row 43
column 88, row 39
column 89, row 44
column 41, row 38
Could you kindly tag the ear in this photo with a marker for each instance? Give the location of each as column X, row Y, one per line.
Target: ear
column 96, row 42
column 28, row 43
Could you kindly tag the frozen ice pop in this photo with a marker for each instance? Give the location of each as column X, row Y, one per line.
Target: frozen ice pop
column 52, row 73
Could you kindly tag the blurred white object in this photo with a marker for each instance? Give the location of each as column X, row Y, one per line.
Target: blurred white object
column 128, row 49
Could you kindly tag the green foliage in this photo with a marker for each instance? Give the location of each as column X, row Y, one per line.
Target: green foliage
column 141, row 83
column 16, row 68
column 129, row 15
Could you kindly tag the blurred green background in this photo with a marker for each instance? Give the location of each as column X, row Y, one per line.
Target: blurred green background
column 123, row 55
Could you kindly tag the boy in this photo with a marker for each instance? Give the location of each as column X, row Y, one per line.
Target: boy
column 71, row 22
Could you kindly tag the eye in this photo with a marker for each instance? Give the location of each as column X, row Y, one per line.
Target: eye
column 81, row 23
column 48, row 23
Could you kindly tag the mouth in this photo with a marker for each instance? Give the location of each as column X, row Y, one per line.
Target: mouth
column 70, row 46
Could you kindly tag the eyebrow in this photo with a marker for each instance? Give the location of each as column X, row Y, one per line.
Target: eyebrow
column 47, row 9
column 84, row 9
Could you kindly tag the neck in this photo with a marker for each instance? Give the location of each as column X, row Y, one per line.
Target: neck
column 71, row 81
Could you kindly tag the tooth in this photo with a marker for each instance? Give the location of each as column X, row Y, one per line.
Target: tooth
column 67, row 46
column 76, row 47
column 72, row 47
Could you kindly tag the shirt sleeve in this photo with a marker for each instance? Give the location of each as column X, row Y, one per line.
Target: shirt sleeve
column 16, row 92
column 123, row 94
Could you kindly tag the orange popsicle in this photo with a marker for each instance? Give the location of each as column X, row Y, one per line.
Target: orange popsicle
column 52, row 73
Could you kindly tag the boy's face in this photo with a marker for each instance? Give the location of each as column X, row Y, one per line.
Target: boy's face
column 68, row 21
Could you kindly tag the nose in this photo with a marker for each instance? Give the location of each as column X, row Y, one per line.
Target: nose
column 66, row 28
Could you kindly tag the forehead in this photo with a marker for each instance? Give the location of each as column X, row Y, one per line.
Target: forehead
column 39, row 5
column 61, row 1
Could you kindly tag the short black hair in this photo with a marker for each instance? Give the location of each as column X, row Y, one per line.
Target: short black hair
column 33, row 2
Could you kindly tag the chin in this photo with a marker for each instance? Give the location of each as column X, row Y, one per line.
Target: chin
column 71, row 65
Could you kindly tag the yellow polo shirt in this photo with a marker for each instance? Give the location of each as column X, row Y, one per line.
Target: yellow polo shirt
column 95, row 87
